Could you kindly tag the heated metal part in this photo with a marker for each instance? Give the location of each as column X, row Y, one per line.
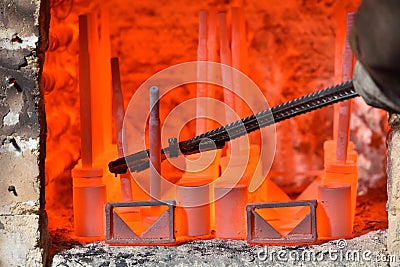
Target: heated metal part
column 155, row 143
column 216, row 139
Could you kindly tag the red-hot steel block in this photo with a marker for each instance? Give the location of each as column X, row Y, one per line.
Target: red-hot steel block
column 140, row 223
column 265, row 227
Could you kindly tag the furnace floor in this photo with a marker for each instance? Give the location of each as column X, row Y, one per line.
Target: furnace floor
column 369, row 229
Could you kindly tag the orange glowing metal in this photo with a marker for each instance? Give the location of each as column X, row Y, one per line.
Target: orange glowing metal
column 201, row 122
column 345, row 107
column 230, row 219
column 155, row 144
column 333, row 195
column 238, row 46
column 212, row 55
column 118, row 112
column 334, row 212
column 85, row 94
column 226, row 58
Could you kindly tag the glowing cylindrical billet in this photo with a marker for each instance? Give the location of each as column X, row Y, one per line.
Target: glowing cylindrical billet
column 230, row 211
column 334, row 211
column 193, row 200
column 89, row 198
column 155, row 143
column 344, row 173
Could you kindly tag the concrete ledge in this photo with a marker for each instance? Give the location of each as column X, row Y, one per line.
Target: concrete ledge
column 21, row 240
column 227, row 253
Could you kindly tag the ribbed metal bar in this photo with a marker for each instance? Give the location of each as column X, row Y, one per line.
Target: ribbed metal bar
column 218, row 137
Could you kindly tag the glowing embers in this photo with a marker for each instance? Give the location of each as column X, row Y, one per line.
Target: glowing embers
column 140, row 223
column 292, row 222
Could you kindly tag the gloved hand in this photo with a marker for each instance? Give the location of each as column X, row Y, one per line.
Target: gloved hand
column 375, row 41
column 371, row 93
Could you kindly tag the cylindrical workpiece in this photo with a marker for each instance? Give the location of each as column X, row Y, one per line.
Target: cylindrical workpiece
column 230, row 211
column 194, row 211
column 334, row 211
column 155, row 144
column 345, row 174
column 89, row 198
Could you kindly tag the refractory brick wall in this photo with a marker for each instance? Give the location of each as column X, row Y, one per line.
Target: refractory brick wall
column 23, row 224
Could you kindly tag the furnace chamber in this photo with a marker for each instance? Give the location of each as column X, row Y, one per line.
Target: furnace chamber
column 292, row 49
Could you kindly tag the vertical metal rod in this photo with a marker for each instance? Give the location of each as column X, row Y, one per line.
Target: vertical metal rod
column 118, row 113
column 345, row 106
column 117, row 104
column 237, row 48
column 212, row 55
column 85, row 94
column 201, row 122
column 155, row 143
column 226, row 59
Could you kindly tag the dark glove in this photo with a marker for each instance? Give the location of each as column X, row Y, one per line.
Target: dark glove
column 370, row 92
column 375, row 40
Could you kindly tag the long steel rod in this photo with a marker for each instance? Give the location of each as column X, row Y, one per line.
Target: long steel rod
column 118, row 112
column 155, row 143
column 217, row 138
column 85, row 94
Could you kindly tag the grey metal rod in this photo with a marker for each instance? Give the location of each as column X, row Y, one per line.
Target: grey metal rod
column 155, row 143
